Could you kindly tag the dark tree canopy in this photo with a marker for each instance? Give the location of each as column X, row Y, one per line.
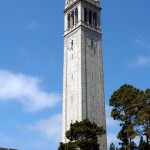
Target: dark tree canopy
column 143, row 114
column 83, row 135
column 123, row 101
column 112, row 146
column 131, row 106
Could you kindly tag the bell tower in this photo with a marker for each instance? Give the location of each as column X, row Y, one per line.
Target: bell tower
column 83, row 83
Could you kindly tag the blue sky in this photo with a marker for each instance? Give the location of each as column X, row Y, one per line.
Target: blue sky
column 31, row 63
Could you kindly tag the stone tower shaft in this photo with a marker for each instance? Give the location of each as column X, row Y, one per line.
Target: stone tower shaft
column 83, row 83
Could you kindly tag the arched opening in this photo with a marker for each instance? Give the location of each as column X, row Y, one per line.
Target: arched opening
column 76, row 16
column 85, row 14
column 94, row 19
column 90, row 17
column 68, row 21
column 72, row 19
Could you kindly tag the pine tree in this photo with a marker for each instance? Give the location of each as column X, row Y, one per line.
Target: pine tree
column 123, row 101
column 82, row 135
column 112, row 146
column 143, row 115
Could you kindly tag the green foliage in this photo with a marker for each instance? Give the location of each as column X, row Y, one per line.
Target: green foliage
column 112, row 146
column 131, row 106
column 122, row 135
column 83, row 135
column 142, row 144
column 123, row 101
column 68, row 146
column 132, row 146
column 143, row 115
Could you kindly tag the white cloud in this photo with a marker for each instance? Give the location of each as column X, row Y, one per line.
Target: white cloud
column 32, row 25
column 8, row 141
column 141, row 42
column 112, row 127
column 143, row 59
column 140, row 61
column 26, row 90
column 49, row 128
column 5, row 139
column 35, row 135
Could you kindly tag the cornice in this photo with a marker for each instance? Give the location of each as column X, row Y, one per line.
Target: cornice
column 94, row 4
column 83, row 26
